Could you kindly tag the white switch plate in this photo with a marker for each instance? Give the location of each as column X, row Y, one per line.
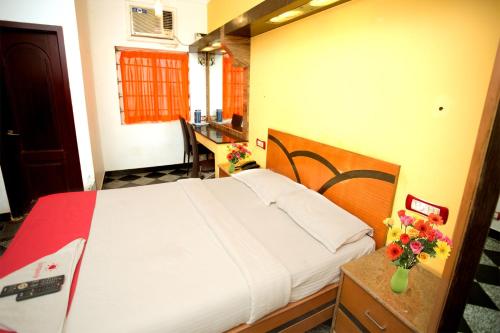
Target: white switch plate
column 424, row 208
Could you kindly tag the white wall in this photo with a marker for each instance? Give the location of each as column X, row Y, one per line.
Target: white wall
column 216, row 85
column 137, row 145
column 61, row 13
column 4, row 203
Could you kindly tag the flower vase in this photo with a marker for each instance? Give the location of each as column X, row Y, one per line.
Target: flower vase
column 231, row 167
column 399, row 280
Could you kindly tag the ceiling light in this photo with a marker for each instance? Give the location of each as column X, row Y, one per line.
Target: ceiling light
column 216, row 45
column 286, row 16
column 321, row 3
column 207, row 49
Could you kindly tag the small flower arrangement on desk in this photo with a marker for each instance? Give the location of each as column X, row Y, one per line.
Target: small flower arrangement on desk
column 414, row 241
column 236, row 153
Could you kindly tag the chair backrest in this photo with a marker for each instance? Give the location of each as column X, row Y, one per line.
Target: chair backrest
column 185, row 134
column 195, row 172
column 237, row 120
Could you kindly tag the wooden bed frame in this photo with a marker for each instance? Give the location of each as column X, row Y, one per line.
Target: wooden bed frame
column 362, row 185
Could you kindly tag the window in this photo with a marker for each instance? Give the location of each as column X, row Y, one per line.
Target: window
column 153, row 86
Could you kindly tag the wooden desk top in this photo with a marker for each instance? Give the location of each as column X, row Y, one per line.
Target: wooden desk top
column 216, row 135
column 413, row 307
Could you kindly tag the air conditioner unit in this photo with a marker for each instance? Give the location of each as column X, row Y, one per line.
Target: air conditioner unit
column 144, row 23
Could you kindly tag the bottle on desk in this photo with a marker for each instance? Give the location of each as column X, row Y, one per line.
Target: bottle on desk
column 197, row 116
column 219, row 115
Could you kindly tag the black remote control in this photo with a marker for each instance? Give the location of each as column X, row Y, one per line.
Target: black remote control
column 23, row 286
column 38, row 291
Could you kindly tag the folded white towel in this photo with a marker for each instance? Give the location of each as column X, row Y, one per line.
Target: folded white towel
column 45, row 313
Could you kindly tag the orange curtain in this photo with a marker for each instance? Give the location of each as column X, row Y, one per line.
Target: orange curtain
column 234, row 85
column 155, row 86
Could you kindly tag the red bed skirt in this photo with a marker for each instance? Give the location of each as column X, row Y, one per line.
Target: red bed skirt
column 54, row 221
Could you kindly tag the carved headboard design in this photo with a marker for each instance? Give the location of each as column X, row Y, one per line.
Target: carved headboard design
column 362, row 185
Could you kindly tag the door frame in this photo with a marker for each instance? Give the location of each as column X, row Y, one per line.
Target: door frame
column 474, row 217
column 68, row 105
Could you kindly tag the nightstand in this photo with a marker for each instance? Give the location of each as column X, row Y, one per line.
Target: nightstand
column 366, row 302
column 224, row 170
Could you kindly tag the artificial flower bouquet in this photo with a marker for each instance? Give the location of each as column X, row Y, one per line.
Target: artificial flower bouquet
column 237, row 152
column 416, row 240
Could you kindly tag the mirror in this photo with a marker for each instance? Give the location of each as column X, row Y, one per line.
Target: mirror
column 228, row 85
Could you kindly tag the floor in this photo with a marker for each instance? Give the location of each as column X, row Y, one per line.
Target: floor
column 121, row 179
column 482, row 313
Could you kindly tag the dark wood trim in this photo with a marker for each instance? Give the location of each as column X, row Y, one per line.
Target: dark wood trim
column 474, row 218
column 30, row 26
column 255, row 20
column 5, row 217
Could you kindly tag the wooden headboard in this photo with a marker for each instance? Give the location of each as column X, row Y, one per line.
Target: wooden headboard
column 362, row 185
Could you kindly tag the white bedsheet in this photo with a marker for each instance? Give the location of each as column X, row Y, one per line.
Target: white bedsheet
column 310, row 264
column 156, row 263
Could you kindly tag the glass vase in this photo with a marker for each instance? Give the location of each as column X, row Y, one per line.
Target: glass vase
column 231, row 167
column 399, row 280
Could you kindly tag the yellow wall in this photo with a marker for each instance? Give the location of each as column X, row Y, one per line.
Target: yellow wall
column 369, row 76
column 222, row 11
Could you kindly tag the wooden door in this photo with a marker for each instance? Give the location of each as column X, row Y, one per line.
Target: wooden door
column 38, row 149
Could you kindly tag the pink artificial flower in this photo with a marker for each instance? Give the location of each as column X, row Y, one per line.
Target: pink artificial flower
column 447, row 240
column 439, row 234
column 407, row 220
column 416, row 247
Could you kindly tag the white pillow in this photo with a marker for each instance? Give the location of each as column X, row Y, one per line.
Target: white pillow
column 322, row 219
column 268, row 185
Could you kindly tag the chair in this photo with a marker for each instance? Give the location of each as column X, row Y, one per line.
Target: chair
column 188, row 150
column 237, row 121
column 205, row 165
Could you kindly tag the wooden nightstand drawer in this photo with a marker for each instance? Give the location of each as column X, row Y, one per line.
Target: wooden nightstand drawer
column 344, row 325
column 370, row 313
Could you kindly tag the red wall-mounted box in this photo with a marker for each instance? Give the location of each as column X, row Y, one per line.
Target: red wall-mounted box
column 425, row 208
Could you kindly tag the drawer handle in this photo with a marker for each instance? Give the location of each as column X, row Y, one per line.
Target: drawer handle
column 380, row 327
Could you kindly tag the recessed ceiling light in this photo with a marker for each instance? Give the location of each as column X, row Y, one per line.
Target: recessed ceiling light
column 207, row 49
column 286, row 16
column 320, row 3
column 216, row 44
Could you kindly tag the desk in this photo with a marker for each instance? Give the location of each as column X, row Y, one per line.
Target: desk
column 217, row 141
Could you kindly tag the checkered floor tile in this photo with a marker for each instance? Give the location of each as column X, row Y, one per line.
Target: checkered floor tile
column 121, row 179
column 482, row 312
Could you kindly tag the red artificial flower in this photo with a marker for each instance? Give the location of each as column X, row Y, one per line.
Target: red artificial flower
column 435, row 219
column 401, row 212
column 422, row 227
column 394, row 251
column 431, row 235
column 404, row 238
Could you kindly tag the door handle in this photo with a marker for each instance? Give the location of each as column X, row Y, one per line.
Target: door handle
column 12, row 133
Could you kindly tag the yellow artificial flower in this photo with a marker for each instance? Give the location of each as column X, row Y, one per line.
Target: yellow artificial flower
column 394, row 233
column 442, row 249
column 423, row 257
column 412, row 232
column 389, row 222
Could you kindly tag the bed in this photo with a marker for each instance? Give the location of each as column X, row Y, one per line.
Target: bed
column 211, row 256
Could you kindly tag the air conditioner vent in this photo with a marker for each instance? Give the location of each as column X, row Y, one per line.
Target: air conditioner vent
column 168, row 20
